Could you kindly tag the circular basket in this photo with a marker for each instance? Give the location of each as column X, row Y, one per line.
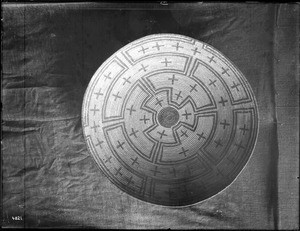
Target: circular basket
column 170, row 120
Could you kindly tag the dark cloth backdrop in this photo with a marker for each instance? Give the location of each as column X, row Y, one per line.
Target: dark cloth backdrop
column 51, row 51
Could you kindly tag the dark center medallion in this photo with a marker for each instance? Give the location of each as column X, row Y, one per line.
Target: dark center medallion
column 168, row 117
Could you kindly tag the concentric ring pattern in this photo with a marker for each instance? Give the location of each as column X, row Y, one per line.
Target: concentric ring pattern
column 170, row 120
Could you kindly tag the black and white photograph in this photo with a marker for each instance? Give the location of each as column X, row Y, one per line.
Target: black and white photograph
column 150, row 115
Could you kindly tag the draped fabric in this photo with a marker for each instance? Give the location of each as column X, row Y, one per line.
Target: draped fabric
column 51, row 51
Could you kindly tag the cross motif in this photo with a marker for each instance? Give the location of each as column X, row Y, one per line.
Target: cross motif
column 244, row 129
column 98, row 93
column 217, row 171
column 235, row 85
column 117, row 96
column 188, row 170
column 186, row 114
column 170, row 193
column 108, row 159
column 178, row 95
column 185, row 190
column 130, row 181
column 162, row 134
column 212, row 82
column 155, row 171
column 144, row 119
column 193, row 88
column 239, row 146
column 158, row 102
column 158, row 46
column 177, row 46
column 130, row 109
column 95, row 109
column 196, row 51
column 231, row 160
column 126, row 80
column 201, row 136
column 223, row 101
column 218, row 143
column 118, row 171
column 173, row 171
column 211, row 59
column 134, row 161
column 166, row 62
column 95, row 127
column 173, row 79
column 120, row 145
column 183, row 151
column 133, row 132
column 143, row 49
column 224, row 124
column 100, row 142
column 107, row 76
column 144, row 68
column 184, row 133
column 225, row 71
